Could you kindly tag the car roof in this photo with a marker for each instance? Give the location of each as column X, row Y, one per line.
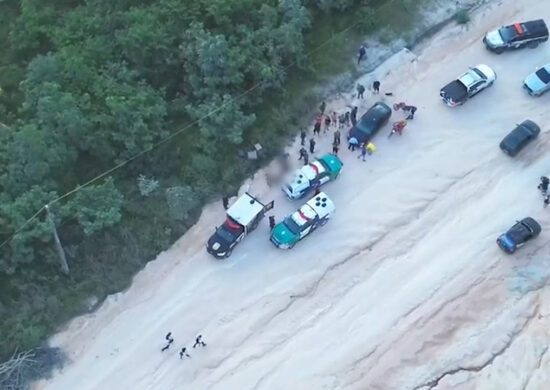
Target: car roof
column 245, row 209
column 530, row 28
column 469, row 78
column 332, row 161
column 321, row 204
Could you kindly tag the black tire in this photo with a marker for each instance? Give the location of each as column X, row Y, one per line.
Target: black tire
column 532, row 45
column 228, row 253
column 499, row 50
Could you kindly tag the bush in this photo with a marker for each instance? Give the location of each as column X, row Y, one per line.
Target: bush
column 462, row 17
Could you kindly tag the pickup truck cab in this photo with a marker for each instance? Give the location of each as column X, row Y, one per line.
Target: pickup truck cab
column 242, row 218
column 467, row 85
column 316, row 212
column 313, row 175
column 516, row 36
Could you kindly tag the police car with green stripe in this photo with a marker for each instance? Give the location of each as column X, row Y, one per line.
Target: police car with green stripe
column 313, row 175
column 316, row 212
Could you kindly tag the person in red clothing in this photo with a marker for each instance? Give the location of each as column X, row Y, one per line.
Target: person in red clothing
column 317, row 127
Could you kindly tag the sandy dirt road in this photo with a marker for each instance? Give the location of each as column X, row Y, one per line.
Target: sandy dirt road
column 404, row 289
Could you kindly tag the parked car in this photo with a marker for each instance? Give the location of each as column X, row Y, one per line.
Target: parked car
column 467, row 85
column 518, row 138
column 242, row 218
column 313, row 175
column 316, row 212
column 538, row 82
column 518, row 235
column 516, row 36
column 371, row 122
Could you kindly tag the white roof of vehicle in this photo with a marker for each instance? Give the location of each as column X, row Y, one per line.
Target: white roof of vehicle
column 321, row 204
column 245, row 209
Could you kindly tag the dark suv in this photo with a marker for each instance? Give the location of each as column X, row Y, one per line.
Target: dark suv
column 369, row 124
column 518, row 138
column 516, row 36
column 518, row 235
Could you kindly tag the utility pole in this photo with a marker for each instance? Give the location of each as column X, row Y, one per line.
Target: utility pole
column 60, row 251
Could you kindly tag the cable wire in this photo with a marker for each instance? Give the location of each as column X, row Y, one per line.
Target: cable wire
column 169, row 137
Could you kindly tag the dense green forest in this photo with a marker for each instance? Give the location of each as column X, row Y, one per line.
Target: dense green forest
column 87, row 84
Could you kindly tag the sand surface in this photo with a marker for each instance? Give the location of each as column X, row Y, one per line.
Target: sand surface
column 403, row 289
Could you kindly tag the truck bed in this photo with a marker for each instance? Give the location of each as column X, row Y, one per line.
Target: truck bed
column 455, row 91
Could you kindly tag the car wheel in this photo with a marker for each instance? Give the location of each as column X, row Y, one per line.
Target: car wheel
column 532, row 45
column 499, row 51
column 228, row 253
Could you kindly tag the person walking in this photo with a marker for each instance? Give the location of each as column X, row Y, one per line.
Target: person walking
column 198, row 339
column 183, row 353
column 317, row 126
column 360, row 91
column 327, row 123
column 311, row 146
column 337, row 137
column 303, row 137
column 303, row 152
column 335, row 148
column 352, row 143
column 363, row 151
column 271, row 223
column 225, row 203
column 353, row 116
column 322, row 107
column 168, row 336
column 376, row 87
column 170, row 340
column 362, row 53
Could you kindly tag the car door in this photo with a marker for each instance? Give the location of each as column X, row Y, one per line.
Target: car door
column 474, row 89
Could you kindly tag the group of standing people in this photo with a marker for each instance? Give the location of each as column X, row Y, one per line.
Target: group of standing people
column 183, row 352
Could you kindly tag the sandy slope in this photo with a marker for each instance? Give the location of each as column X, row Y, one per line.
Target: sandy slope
column 403, row 289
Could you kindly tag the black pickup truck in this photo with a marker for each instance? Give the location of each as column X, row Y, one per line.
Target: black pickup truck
column 467, row 85
column 516, row 36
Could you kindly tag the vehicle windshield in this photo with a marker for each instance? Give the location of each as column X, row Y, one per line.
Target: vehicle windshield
column 324, row 164
column 292, row 226
column 480, row 74
column 225, row 234
column 543, row 75
column 508, row 33
column 289, row 189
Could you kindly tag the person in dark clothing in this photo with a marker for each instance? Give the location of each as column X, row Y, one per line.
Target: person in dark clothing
column 303, row 137
column 306, row 158
column 543, row 185
column 311, row 146
column 341, row 121
column 327, row 123
column 184, row 352
column 337, row 137
column 170, row 341
column 303, row 152
column 376, row 87
column 347, row 116
column 353, row 116
column 335, row 148
column 317, row 126
column 360, row 91
column 271, row 225
column 362, row 53
column 322, row 108
column 225, row 202
column 546, row 200
column 168, row 336
column 412, row 110
column 198, row 339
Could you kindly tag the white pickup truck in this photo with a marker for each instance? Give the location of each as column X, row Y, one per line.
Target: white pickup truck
column 475, row 80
